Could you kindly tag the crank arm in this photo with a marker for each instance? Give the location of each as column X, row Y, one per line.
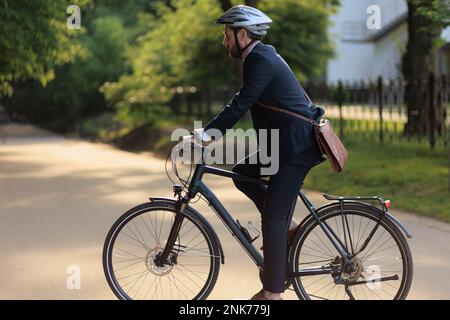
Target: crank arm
column 313, row 271
column 389, row 278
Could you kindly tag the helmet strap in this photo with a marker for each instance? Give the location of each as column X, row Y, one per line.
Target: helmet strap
column 238, row 47
column 241, row 50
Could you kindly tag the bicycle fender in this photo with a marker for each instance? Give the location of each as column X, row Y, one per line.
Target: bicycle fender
column 198, row 215
column 398, row 223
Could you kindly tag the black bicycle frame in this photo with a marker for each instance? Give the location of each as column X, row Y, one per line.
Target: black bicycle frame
column 197, row 186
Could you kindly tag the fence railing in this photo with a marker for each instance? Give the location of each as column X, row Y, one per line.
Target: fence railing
column 199, row 103
column 378, row 110
column 363, row 110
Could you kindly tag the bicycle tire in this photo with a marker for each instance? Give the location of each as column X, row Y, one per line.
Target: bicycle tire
column 358, row 209
column 189, row 215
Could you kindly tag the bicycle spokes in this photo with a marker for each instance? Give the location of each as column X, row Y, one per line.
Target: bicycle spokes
column 138, row 269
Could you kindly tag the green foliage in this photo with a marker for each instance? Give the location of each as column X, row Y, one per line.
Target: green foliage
column 34, row 39
column 132, row 56
column 435, row 15
column 436, row 12
column 105, row 58
column 184, row 49
column 73, row 94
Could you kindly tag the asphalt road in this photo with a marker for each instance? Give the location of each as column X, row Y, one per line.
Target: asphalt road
column 59, row 197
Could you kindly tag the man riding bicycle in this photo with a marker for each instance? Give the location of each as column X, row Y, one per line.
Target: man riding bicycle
column 347, row 249
column 269, row 81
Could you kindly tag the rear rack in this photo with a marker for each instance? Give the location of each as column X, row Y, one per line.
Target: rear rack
column 356, row 198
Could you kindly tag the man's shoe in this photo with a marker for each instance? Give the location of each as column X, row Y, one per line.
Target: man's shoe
column 261, row 296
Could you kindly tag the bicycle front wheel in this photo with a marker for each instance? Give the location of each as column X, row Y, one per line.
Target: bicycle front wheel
column 381, row 266
column 140, row 235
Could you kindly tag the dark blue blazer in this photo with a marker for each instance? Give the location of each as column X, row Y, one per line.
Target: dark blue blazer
column 269, row 80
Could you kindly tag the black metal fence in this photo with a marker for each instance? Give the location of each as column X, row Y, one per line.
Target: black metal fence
column 191, row 101
column 361, row 110
column 377, row 110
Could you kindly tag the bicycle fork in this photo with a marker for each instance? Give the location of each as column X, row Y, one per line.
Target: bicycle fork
column 162, row 258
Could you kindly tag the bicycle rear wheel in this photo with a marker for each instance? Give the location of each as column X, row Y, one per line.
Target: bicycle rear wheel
column 140, row 235
column 381, row 271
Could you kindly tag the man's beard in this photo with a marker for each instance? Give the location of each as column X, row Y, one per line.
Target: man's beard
column 234, row 54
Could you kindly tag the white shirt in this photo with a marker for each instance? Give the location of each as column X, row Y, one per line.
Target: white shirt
column 249, row 49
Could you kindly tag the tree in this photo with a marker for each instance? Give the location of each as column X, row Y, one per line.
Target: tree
column 426, row 20
column 34, row 39
column 74, row 92
column 73, row 95
column 182, row 50
column 225, row 4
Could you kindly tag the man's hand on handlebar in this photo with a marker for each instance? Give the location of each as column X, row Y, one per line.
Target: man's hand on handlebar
column 198, row 138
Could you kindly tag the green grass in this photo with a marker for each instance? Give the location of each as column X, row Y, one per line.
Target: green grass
column 412, row 176
column 370, row 126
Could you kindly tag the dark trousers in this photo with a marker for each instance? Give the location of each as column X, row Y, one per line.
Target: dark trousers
column 275, row 201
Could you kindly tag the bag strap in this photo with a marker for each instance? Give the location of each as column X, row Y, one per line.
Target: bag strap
column 310, row 121
column 306, row 95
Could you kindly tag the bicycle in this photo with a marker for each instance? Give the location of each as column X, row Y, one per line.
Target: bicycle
column 165, row 249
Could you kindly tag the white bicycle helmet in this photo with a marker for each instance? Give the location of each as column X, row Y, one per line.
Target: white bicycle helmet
column 251, row 19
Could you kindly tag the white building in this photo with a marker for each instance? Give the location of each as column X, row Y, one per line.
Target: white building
column 362, row 53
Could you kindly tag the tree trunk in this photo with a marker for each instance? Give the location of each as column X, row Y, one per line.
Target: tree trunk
column 252, row 3
column 225, row 4
column 418, row 64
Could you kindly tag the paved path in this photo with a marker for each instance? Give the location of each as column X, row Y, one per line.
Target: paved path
column 59, row 197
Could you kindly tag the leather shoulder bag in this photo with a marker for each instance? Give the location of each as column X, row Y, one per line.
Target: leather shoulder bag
column 329, row 143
